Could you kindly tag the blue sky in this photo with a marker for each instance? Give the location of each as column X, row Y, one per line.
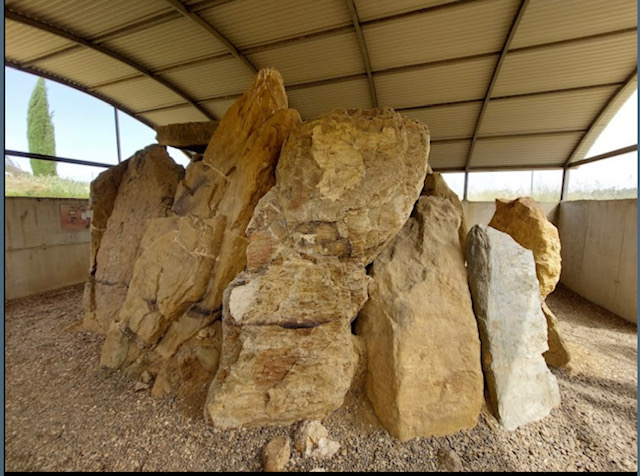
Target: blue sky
column 85, row 129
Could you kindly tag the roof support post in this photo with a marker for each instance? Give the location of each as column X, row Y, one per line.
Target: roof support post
column 465, row 193
column 564, row 191
column 115, row 116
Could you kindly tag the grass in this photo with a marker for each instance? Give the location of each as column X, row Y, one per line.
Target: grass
column 23, row 184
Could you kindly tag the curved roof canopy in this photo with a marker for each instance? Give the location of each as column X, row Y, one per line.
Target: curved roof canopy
column 502, row 84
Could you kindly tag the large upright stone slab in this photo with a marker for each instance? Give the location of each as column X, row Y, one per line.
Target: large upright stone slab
column 123, row 199
column 424, row 376
column 526, row 222
column 189, row 258
column 345, row 185
column 507, row 304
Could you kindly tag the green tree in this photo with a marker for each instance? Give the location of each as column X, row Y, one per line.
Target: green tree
column 40, row 131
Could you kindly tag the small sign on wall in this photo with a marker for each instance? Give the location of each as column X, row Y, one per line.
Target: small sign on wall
column 74, row 217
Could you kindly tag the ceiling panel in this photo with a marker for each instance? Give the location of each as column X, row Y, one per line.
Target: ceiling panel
column 546, row 21
column 583, row 63
column 314, row 101
column 186, row 113
column 454, row 32
column 87, row 67
column 571, row 110
column 552, row 149
column 373, row 9
column 253, row 22
column 141, row 94
column 89, row 18
column 27, row 43
column 172, row 42
column 314, row 59
column 213, row 78
column 447, row 122
column 447, row 155
column 218, row 108
column 450, row 82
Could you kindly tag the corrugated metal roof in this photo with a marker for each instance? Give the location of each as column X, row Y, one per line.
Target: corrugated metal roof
column 373, row 9
column 434, row 59
column 30, row 42
column 440, row 83
column 572, row 110
column 211, row 79
column 546, row 21
column 253, row 22
column 448, row 122
column 141, row 94
column 89, row 18
column 454, row 32
column 175, row 115
column 316, row 58
column 87, row 66
column 170, row 43
column 315, row 101
column 549, row 149
column 448, row 155
column 594, row 61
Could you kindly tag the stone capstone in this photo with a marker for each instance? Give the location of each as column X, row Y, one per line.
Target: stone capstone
column 513, row 331
column 187, row 259
column 424, row 374
column 136, row 190
column 345, row 185
column 193, row 136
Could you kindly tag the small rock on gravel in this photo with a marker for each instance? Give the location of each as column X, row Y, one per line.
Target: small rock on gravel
column 275, row 454
column 448, row 460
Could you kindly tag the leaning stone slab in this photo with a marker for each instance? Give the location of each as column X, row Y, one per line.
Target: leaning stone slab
column 194, row 136
column 435, row 186
column 424, row 374
column 506, row 301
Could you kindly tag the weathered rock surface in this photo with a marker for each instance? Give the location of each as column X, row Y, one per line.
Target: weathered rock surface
column 345, row 185
column 449, row 461
column 276, row 454
column 527, row 223
column 435, row 186
column 424, row 374
column 194, row 136
column 188, row 259
column 506, row 301
column 312, row 440
column 557, row 355
column 140, row 188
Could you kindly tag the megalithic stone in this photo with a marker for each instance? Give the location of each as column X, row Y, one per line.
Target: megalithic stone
column 513, row 330
column 345, row 185
column 424, row 376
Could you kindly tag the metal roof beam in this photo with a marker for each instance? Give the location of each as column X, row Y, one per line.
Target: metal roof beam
column 492, row 83
column 17, row 17
column 195, row 18
column 607, row 155
column 363, row 51
column 589, row 136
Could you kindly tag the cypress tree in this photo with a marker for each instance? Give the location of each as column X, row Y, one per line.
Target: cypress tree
column 40, row 131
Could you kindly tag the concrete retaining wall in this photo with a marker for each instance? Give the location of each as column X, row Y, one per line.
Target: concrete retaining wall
column 600, row 253
column 42, row 253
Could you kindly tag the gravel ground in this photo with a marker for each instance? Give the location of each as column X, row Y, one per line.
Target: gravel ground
column 64, row 413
